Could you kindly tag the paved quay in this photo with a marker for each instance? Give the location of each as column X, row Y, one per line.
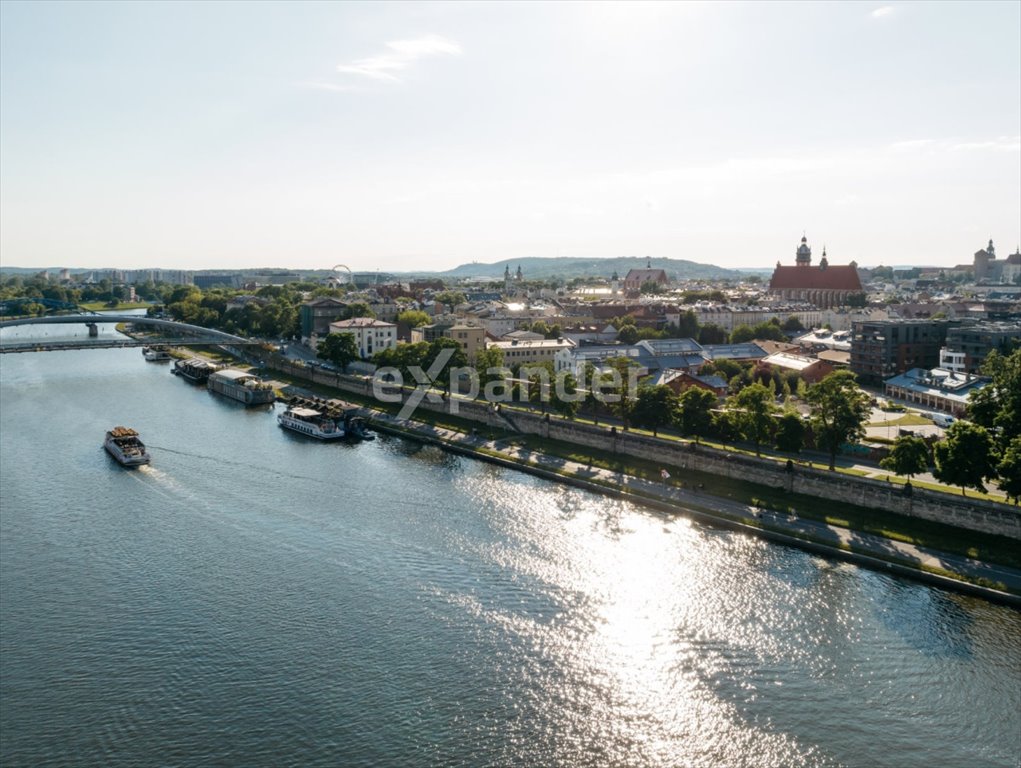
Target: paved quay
column 674, row 492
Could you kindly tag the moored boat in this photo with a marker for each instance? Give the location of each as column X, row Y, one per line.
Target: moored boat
column 125, row 446
column 309, row 421
column 195, row 369
column 155, row 354
column 242, row 386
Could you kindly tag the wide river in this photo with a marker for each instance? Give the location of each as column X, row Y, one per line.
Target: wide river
column 254, row 598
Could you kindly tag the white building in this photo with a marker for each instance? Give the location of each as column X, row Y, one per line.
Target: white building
column 371, row 335
column 528, row 352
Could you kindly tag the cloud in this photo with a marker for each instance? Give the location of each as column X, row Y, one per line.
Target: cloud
column 999, row 144
column 398, row 56
column 879, row 13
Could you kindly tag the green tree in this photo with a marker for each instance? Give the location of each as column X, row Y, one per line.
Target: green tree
column 840, row 410
column 627, row 334
column 742, row 334
column 414, row 318
column 338, row 348
column 754, row 409
column 489, row 365
column 694, row 413
column 908, row 457
column 790, row 432
column 451, row 298
column 621, row 394
column 997, row 405
column 655, row 407
column 712, row 334
column 1009, row 470
column 792, row 323
column 358, row 309
column 564, row 397
column 965, row 457
column 457, row 359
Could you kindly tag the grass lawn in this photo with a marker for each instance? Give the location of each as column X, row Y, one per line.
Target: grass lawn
column 98, row 306
column 907, row 420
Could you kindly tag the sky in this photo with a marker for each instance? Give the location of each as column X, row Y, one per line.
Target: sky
column 420, row 136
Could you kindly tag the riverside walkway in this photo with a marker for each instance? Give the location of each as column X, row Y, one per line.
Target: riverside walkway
column 672, row 493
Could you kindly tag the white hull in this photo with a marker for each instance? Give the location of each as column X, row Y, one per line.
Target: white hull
column 320, row 431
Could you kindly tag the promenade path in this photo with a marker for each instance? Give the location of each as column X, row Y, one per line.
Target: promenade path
column 676, row 493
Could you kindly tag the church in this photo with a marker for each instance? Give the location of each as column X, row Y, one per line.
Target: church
column 825, row 286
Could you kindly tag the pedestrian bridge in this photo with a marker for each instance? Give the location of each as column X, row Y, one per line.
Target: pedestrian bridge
column 169, row 333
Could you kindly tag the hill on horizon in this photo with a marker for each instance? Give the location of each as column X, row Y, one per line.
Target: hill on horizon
column 538, row 268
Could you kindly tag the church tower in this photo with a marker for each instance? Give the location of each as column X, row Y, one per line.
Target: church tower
column 804, row 253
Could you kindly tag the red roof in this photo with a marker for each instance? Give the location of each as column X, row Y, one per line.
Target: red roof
column 814, row 278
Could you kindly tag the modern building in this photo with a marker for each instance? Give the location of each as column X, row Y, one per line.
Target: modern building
column 976, row 340
column 938, row 388
column 883, row 348
column 316, row 315
column 471, row 338
column 371, row 335
column 824, row 286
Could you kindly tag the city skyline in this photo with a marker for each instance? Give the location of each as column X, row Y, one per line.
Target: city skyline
column 417, row 137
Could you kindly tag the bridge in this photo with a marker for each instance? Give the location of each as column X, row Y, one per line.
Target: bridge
column 185, row 334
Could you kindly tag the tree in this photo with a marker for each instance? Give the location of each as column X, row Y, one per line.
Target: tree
column 909, row 456
column 358, row 309
column 1009, row 470
column 627, row 334
column 489, row 365
column 694, row 413
column 654, row 407
column 793, row 323
column 338, row 348
column 649, row 287
column 712, row 334
column 742, row 334
column 621, row 394
column 997, row 405
column 790, row 432
column 457, row 359
column 840, row 410
column 753, row 409
column 451, row 298
column 413, row 318
column 965, row 457
column 566, row 385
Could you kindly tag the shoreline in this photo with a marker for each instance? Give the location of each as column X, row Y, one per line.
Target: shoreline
column 762, row 523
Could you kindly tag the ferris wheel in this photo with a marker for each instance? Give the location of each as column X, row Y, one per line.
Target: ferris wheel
column 350, row 278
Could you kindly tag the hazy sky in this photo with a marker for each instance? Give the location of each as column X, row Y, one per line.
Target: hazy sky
column 421, row 136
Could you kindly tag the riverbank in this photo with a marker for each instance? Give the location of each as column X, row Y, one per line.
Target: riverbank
column 982, row 564
column 997, row 583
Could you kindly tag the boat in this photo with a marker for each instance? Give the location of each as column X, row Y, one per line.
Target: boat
column 309, row 421
column 194, row 369
column 357, row 429
column 124, row 445
column 242, row 386
column 155, row 354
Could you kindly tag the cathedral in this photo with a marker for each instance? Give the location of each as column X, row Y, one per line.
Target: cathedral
column 825, row 286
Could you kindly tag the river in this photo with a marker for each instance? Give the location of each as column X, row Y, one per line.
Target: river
column 254, row 598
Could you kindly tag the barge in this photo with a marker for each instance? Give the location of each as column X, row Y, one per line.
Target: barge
column 242, row 386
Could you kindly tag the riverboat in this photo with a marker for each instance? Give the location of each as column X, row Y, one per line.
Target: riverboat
column 313, row 423
column 242, row 386
column 194, row 369
column 155, row 354
column 125, row 446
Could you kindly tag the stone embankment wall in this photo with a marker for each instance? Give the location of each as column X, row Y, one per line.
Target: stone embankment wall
column 970, row 514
